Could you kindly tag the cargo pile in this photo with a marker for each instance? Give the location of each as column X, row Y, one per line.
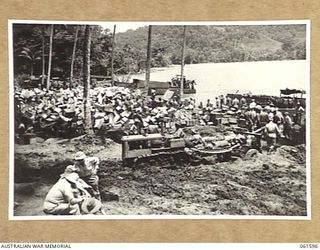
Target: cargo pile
column 59, row 113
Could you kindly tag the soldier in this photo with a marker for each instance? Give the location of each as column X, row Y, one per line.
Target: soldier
column 87, row 167
column 243, row 102
column 287, row 126
column 217, row 102
column 65, row 196
column 264, row 118
column 253, row 104
column 229, row 101
column 235, row 102
column 251, row 118
column 222, row 101
column 271, row 132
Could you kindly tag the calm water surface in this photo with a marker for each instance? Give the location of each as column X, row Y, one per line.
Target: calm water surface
column 221, row 78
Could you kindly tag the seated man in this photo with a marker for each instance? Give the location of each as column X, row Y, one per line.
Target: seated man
column 64, row 197
column 87, row 167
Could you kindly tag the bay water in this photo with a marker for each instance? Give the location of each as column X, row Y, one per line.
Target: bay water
column 257, row 78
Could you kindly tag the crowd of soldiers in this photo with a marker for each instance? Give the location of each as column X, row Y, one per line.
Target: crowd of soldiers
column 59, row 112
column 288, row 124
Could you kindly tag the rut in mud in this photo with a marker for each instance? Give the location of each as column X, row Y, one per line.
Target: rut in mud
column 258, row 186
column 262, row 185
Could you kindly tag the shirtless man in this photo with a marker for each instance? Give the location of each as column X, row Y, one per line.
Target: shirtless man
column 272, row 132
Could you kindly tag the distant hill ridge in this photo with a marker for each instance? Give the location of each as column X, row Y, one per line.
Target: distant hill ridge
column 204, row 44
column 217, row 43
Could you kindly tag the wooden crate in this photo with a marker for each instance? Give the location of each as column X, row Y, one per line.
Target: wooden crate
column 242, row 123
column 233, row 120
column 224, row 121
column 191, row 122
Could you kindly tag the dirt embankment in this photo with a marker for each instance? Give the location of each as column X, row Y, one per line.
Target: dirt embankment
column 265, row 185
column 49, row 158
column 38, row 166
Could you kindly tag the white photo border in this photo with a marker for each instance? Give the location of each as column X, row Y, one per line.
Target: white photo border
column 11, row 215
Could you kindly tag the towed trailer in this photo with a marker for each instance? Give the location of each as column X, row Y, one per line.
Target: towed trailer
column 223, row 154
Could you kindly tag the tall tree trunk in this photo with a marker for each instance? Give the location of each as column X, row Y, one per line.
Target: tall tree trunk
column 50, row 57
column 112, row 55
column 43, row 57
column 182, row 59
column 31, row 68
column 86, row 81
column 148, row 62
column 74, row 52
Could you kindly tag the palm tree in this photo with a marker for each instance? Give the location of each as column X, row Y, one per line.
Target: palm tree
column 86, row 80
column 112, row 55
column 182, row 59
column 31, row 54
column 148, row 62
column 50, row 56
column 74, row 52
column 43, row 31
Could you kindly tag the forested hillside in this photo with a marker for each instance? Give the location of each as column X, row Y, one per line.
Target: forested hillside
column 204, row 44
column 219, row 43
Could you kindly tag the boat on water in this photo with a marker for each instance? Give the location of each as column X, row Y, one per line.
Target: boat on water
column 160, row 88
column 289, row 98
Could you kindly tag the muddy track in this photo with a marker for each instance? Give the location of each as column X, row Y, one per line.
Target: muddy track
column 223, row 188
column 263, row 185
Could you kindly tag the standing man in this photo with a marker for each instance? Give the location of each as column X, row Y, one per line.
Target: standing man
column 235, row 103
column 222, row 101
column 264, row 117
column 243, row 102
column 229, row 101
column 253, row 104
column 251, row 118
column 87, row 168
column 217, row 102
column 287, row 126
column 272, row 132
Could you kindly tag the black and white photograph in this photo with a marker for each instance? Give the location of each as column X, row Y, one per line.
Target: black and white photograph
column 159, row 120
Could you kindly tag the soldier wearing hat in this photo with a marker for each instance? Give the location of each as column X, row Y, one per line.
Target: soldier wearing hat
column 64, row 197
column 87, row 168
